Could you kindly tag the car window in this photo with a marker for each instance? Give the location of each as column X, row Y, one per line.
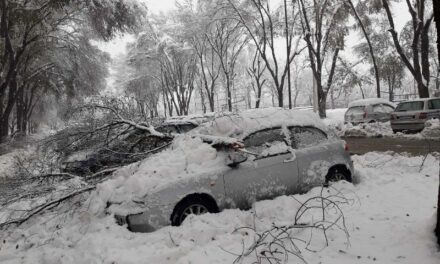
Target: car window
column 378, row 108
column 303, row 137
column 260, row 141
column 434, row 104
column 355, row 110
column 410, row 106
column 382, row 108
column 388, row 109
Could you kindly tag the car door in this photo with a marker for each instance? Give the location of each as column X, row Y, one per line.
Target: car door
column 355, row 114
column 313, row 154
column 270, row 171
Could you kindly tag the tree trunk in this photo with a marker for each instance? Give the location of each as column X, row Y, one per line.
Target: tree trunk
column 362, row 91
column 229, row 94
column 280, row 97
column 332, row 98
column 4, row 122
column 437, row 23
column 418, row 45
column 288, row 48
column 19, row 107
column 322, row 100
column 370, row 46
column 258, row 102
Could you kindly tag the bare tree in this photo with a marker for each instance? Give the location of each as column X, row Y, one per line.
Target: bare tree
column 195, row 22
column 324, row 28
column 263, row 26
column 28, row 26
column 227, row 40
column 420, row 66
column 437, row 23
column 178, row 70
column 388, row 62
column 370, row 46
column 256, row 72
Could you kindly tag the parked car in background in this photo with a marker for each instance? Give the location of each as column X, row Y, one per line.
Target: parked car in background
column 412, row 115
column 230, row 162
column 369, row 111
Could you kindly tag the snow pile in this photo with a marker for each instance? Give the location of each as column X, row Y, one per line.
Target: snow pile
column 187, row 158
column 370, row 101
column 432, row 129
column 390, row 220
column 377, row 129
column 195, row 119
column 8, row 162
column 335, row 120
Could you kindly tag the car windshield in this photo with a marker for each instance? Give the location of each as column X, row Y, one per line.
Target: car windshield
column 410, row 106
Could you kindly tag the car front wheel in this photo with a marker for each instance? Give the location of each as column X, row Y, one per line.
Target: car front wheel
column 338, row 174
column 195, row 205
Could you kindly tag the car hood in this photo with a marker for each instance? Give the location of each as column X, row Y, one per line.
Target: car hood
column 188, row 159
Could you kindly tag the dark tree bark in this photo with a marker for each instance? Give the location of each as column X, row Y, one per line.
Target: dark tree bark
column 318, row 46
column 420, row 44
column 256, row 72
column 288, row 48
column 437, row 24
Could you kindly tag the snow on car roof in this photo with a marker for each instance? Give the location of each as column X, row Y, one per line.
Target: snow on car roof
column 196, row 119
column 369, row 101
column 240, row 125
column 420, row 100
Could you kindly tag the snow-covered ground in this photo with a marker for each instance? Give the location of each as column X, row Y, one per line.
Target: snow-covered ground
column 8, row 162
column 390, row 219
column 335, row 119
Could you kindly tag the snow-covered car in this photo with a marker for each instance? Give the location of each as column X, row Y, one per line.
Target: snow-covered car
column 369, row 111
column 412, row 115
column 229, row 162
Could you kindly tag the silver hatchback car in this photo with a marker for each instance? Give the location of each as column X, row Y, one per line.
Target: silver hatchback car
column 369, row 111
column 412, row 115
column 267, row 153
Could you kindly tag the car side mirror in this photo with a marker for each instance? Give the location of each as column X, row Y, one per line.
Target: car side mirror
column 235, row 158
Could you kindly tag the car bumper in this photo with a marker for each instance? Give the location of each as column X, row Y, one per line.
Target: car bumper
column 142, row 223
column 412, row 126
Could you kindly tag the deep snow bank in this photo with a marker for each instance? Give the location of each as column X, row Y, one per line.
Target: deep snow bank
column 391, row 221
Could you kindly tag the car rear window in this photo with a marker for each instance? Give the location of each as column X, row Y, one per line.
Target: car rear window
column 381, row 108
column 410, row 106
column 434, row 104
column 307, row 136
column 355, row 110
